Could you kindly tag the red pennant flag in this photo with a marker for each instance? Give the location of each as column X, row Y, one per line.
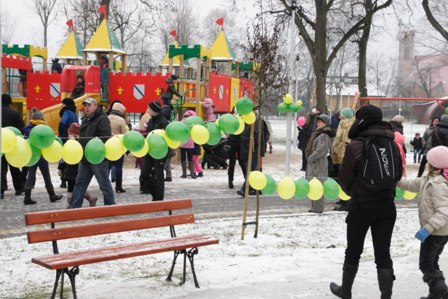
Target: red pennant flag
column 102, row 10
column 70, row 24
column 173, row 33
column 220, row 21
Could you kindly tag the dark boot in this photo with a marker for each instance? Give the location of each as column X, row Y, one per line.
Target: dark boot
column 119, row 187
column 92, row 200
column 191, row 168
column 437, row 285
column 348, row 276
column 27, row 200
column 386, row 282
column 53, row 196
column 184, row 170
column 230, row 184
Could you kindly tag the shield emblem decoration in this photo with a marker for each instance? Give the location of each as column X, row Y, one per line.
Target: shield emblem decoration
column 221, row 91
column 139, row 91
column 55, row 89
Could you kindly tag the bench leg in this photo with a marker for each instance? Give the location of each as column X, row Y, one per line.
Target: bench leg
column 72, row 276
column 184, row 275
column 191, row 253
column 56, row 283
column 176, row 254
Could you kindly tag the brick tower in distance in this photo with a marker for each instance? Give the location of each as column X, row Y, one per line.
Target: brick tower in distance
column 406, row 54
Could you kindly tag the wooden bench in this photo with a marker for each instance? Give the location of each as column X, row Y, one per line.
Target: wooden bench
column 62, row 262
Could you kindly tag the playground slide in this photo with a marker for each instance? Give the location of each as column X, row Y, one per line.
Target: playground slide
column 51, row 114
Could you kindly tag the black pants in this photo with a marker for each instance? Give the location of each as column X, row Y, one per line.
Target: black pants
column 430, row 252
column 186, row 154
column 380, row 217
column 15, row 173
column 233, row 157
column 153, row 181
column 421, row 169
column 31, row 178
column 304, row 161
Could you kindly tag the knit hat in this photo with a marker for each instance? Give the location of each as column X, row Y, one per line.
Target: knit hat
column 155, row 106
column 6, row 99
column 444, row 119
column 68, row 102
column 325, row 118
column 189, row 113
column 73, row 129
column 369, row 114
column 37, row 114
column 347, row 112
column 398, row 119
column 437, row 157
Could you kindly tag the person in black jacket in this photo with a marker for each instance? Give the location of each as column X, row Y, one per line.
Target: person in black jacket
column 417, row 143
column 152, row 176
column 94, row 124
column 440, row 134
column 303, row 137
column 10, row 118
column 234, row 155
column 56, row 66
column 79, row 87
column 374, row 210
column 169, row 90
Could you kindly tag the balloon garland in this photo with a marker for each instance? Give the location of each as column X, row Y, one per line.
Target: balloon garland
column 289, row 105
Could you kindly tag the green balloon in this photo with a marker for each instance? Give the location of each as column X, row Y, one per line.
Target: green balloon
column 229, row 123
column 399, row 193
column 157, row 146
column 177, row 131
column 215, row 133
column 133, row 141
column 282, row 107
column 244, row 106
column 299, row 109
column 293, row 107
column 446, row 110
column 194, row 120
column 35, row 155
column 15, row 130
column 270, row 187
column 95, row 151
column 41, row 136
column 331, row 189
column 302, row 188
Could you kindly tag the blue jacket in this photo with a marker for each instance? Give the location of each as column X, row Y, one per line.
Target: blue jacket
column 68, row 117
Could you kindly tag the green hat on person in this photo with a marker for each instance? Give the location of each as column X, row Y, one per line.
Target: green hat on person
column 347, row 112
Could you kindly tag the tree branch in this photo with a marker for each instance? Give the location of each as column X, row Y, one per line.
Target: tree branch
column 433, row 21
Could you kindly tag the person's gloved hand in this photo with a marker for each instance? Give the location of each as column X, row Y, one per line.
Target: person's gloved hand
column 422, row 234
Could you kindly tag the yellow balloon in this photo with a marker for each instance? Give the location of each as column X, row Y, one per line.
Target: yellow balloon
column 286, row 188
column 408, row 195
column 257, row 180
column 342, row 194
column 299, row 102
column 21, row 154
column 249, row 118
column 53, row 153
column 241, row 127
column 199, row 134
column 9, row 140
column 114, row 148
column 142, row 152
column 288, row 99
column 316, row 189
column 171, row 143
column 72, row 152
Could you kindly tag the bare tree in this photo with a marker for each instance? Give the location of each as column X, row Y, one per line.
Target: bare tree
column 85, row 15
column 437, row 6
column 211, row 29
column 8, row 26
column 127, row 18
column 44, row 9
column 383, row 73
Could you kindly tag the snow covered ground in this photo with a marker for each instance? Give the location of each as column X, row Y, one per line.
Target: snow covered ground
column 294, row 256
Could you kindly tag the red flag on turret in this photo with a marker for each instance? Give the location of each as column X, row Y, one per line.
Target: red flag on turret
column 70, row 24
column 102, row 10
column 173, row 33
column 220, row 21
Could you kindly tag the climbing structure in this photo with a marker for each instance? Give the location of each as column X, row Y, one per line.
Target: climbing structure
column 71, row 49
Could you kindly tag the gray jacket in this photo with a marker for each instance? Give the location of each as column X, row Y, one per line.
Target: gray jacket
column 317, row 165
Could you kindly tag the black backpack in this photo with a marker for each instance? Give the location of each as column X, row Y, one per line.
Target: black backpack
column 381, row 165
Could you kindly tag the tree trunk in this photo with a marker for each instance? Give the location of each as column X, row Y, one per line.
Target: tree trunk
column 320, row 54
column 362, row 64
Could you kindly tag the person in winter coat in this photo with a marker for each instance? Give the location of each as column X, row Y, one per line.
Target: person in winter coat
column 197, row 166
column 118, row 126
column 234, row 155
column 374, row 210
column 427, row 143
column 79, row 87
column 338, row 147
column 209, row 109
column 303, row 137
column 10, row 118
column 417, row 143
column 335, row 119
column 433, row 215
column 70, row 172
column 152, row 176
column 169, row 90
column 399, row 141
column 94, row 124
column 186, row 151
column 56, row 66
column 317, row 150
column 440, row 134
column 215, row 156
column 37, row 118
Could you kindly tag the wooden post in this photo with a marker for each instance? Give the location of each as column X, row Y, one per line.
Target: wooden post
column 84, row 58
column 124, row 64
column 170, row 65
column 248, row 171
column 198, row 85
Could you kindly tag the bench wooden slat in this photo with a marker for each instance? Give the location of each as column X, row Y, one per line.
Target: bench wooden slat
column 107, row 227
column 60, row 261
column 106, row 211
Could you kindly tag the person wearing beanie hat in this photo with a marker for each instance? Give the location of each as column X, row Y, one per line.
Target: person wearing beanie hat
column 370, row 208
column 10, row 118
column 427, row 143
column 338, row 148
column 440, row 134
column 433, row 216
column 317, row 150
column 151, row 174
column 169, row 90
column 37, row 118
column 68, row 116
